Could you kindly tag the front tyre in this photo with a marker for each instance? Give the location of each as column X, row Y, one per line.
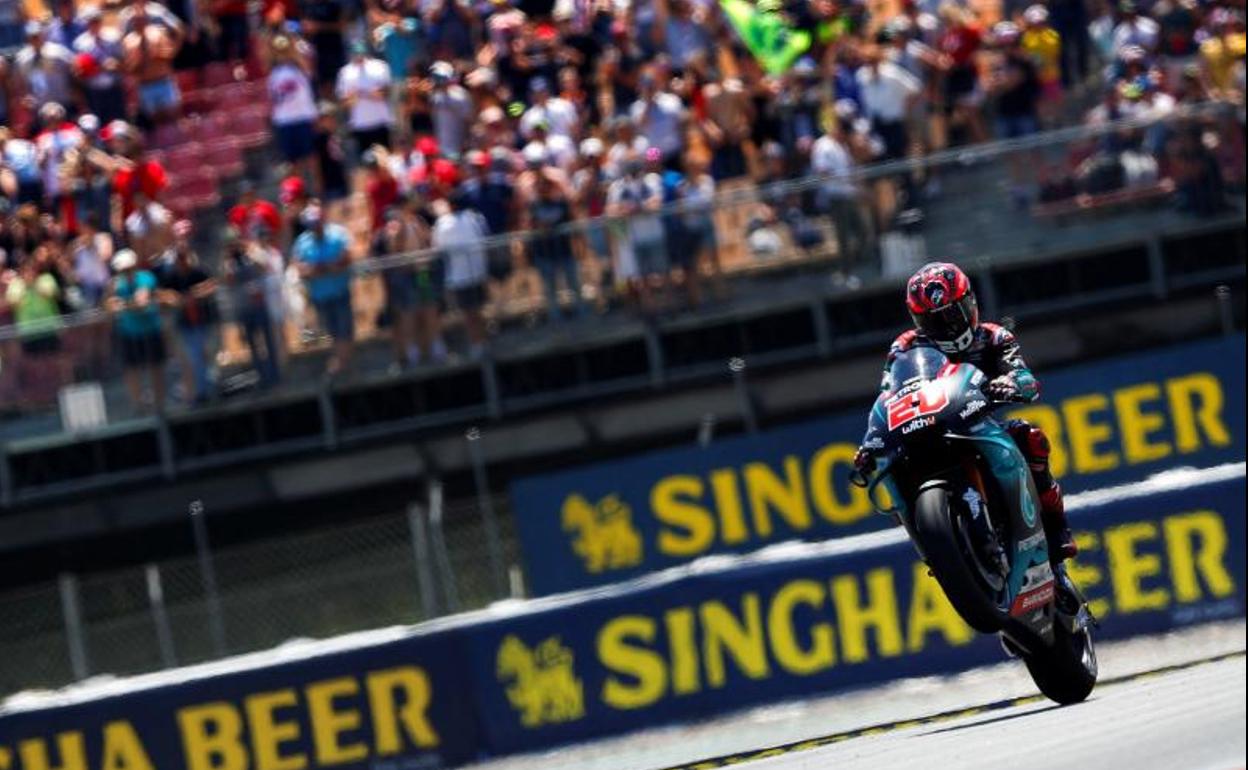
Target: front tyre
column 1065, row 672
column 950, row 557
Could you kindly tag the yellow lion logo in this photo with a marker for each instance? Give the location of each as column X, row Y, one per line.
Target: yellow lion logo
column 544, row 686
column 606, row 538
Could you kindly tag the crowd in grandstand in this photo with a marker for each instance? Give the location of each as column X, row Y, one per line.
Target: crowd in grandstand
column 405, row 126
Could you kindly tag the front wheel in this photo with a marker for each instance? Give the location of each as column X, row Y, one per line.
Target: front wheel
column 949, row 555
column 1065, row 672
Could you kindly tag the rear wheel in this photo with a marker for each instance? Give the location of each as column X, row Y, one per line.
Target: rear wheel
column 1065, row 672
column 954, row 563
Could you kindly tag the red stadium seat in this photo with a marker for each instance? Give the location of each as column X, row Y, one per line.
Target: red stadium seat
column 166, row 136
column 250, row 126
column 187, row 156
column 218, row 73
column 225, row 155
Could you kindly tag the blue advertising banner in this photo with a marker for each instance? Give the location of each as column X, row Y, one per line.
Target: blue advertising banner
column 1110, row 423
column 399, row 704
column 674, row 647
column 800, row 620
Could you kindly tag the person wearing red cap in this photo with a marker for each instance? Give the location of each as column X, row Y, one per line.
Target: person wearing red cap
column 252, row 211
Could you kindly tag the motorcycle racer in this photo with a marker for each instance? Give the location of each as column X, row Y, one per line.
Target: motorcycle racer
column 946, row 316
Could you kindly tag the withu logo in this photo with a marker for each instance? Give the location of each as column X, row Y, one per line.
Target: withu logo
column 544, row 687
column 605, row 538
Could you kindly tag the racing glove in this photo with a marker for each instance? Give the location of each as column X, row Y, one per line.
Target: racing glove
column 1003, row 389
column 864, row 465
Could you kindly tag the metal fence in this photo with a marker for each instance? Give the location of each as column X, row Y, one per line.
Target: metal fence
column 397, row 568
column 1041, row 194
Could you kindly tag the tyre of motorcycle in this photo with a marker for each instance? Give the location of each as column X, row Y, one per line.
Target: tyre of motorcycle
column 936, row 529
column 1065, row 672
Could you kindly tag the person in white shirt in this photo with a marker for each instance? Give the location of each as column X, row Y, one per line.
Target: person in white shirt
column 661, row 116
column 832, row 157
column 294, row 111
column 451, row 107
column 640, row 253
column 458, row 232
column 364, row 86
column 557, row 114
column 888, row 93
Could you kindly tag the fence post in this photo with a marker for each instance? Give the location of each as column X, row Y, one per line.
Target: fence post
column 419, row 529
column 1226, row 313
column 736, row 365
column 208, row 574
column 706, row 430
column 485, row 502
column 160, row 617
column 71, row 611
column 449, row 586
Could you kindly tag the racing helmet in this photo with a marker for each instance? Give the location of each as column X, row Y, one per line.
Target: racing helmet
column 942, row 304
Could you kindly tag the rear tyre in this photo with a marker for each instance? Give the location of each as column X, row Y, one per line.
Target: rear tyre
column 936, row 529
column 1065, row 672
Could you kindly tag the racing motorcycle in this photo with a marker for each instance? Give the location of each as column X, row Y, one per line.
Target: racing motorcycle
column 959, row 484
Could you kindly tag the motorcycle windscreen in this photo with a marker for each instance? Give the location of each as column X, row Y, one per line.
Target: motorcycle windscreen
column 922, row 363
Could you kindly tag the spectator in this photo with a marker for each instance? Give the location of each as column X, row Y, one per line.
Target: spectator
column 697, row 195
column 450, row 108
column 548, row 212
column 136, row 174
column 363, row 86
column 294, row 111
column 835, row 158
column 729, row 113
column 324, row 24
column 397, row 236
column 149, row 229
column 682, row 30
column 64, row 28
column 640, row 258
column 457, row 234
column 488, row 190
column 380, row 188
column 322, row 254
column 34, row 298
column 1016, row 85
column 1070, row 20
column 246, row 275
column 230, row 21
column 12, row 26
column 1222, row 55
column 661, row 116
column 331, row 159
column 190, row 290
column 252, row 212
column 133, row 301
column 556, row 115
column 149, row 49
column 44, row 69
column 54, row 142
column 20, row 179
column 1043, row 45
column 90, row 254
column 99, row 63
column 960, row 41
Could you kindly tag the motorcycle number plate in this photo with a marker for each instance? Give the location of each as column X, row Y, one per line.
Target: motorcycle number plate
column 929, row 399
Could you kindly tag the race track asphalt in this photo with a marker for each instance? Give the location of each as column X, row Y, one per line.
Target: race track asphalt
column 1189, row 717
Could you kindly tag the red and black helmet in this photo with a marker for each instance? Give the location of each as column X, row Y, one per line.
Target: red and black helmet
column 942, row 304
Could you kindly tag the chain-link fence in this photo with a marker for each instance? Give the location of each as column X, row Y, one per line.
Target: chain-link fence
column 397, row 568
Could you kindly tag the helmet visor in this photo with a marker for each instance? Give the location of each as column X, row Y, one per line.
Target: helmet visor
column 948, row 323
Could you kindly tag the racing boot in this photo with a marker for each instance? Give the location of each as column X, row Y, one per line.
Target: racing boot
column 1056, row 527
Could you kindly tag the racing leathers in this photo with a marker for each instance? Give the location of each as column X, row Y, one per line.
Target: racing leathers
column 995, row 351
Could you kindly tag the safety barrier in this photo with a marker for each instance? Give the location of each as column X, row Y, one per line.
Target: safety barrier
column 1110, row 422
column 793, row 620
